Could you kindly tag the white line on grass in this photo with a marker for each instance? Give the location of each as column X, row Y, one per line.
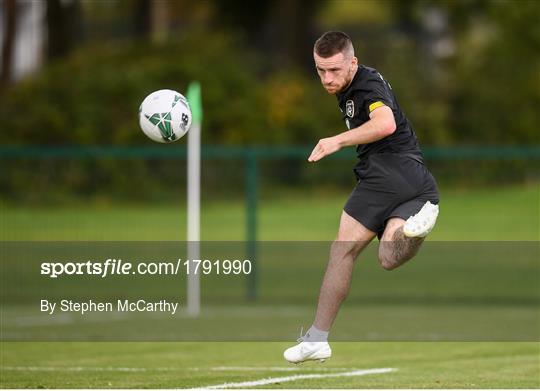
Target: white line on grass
column 273, row 380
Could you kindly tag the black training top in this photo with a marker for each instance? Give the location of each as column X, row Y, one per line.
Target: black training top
column 367, row 91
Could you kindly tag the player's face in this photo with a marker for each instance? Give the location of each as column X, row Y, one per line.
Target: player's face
column 336, row 72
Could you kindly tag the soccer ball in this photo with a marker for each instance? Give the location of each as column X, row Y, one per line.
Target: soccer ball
column 165, row 116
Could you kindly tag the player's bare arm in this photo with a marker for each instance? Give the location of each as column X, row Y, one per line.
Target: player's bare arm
column 380, row 125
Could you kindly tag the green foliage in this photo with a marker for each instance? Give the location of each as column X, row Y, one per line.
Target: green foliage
column 464, row 71
column 484, row 90
column 497, row 69
column 92, row 96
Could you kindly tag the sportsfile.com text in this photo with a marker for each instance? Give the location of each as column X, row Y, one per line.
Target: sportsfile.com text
column 111, row 267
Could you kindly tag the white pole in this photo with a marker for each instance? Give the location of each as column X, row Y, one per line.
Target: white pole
column 194, row 210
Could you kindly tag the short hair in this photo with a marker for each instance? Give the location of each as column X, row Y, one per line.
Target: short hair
column 333, row 42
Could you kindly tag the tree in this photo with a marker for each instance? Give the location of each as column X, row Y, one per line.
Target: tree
column 64, row 27
column 9, row 41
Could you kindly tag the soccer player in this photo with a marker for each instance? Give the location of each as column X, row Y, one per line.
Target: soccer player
column 395, row 198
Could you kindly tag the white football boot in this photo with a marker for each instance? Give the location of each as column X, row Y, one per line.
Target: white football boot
column 419, row 225
column 308, row 351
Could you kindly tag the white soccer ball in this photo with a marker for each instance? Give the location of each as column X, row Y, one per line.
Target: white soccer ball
column 165, row 116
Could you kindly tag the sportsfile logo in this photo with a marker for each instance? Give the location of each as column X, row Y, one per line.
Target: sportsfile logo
column 108, row 268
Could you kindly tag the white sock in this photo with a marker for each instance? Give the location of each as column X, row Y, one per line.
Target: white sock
column 316, row 335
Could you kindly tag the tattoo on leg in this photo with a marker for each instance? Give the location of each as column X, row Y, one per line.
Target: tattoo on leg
column 403, row 247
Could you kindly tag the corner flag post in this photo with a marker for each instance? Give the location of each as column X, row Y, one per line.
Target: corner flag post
column 194, row 196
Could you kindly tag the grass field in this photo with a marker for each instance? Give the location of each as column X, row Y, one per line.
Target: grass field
column 508, row 214
column 188, row 365
column 483, row 214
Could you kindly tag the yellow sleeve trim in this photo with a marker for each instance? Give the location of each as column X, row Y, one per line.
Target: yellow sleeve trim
column 375, row 105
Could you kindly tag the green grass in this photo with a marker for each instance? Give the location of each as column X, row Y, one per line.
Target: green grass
column 506, row 214
column 184, row 365
column 486, row 214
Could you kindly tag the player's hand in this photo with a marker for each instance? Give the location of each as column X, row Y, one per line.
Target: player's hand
column 324, row 147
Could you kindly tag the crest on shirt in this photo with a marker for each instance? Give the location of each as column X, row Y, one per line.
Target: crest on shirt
column 349, row 108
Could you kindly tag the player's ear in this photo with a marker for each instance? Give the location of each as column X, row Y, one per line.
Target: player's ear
column 354, row 61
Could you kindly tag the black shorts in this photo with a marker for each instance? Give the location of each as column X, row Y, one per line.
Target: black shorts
column 389, row 185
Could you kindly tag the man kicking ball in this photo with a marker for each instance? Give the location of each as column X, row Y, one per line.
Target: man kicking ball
column 396, row 196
